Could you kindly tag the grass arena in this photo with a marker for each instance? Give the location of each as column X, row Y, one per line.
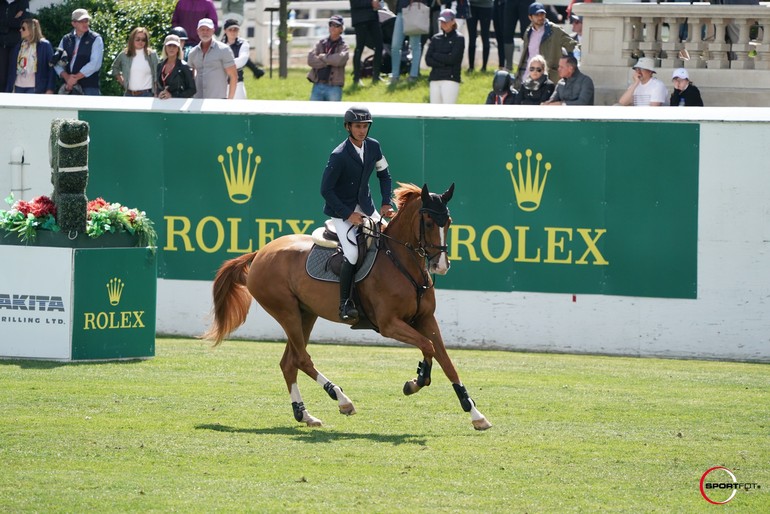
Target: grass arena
column 618, row 258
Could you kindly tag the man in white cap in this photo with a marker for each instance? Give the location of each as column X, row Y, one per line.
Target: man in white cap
column 216, row 75
column 646, row 89
column 85, row 50
column 685, row 93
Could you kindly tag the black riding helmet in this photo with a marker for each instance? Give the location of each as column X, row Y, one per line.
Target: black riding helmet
column 358, row 114
column 179, row 31
column 502, row 82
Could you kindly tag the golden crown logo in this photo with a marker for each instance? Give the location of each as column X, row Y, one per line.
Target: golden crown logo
column 528, row 187
column 114, row 290
column 239, row 182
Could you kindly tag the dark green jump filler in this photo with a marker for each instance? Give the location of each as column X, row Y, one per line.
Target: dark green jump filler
column 69, row 173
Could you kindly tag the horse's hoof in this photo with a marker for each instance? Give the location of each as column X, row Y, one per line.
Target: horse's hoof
column 411, row 387
column 347, row 409
column 481, row 424
column 311, row 421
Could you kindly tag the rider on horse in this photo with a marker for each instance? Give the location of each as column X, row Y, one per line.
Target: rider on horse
column 345, row 188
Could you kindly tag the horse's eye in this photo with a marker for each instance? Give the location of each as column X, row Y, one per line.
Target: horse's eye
column 429, row 223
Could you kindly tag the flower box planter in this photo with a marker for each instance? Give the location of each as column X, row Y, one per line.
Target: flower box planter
column 62, row 240
column 77, row 304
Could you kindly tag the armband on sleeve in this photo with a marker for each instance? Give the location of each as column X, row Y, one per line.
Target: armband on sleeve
column 381, row 164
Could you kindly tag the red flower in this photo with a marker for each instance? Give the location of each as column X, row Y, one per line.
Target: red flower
column 95, row 205
column 42, row 206
column 23, row 207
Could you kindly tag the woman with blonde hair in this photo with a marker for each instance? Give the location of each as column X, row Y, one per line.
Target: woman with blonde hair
column 175, row 77
column 136, row 66
column 28, row 69
column 537, row 88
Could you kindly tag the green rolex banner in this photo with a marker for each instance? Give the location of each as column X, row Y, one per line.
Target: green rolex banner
column 543, row 206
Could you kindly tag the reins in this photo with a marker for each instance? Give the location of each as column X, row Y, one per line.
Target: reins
column 420, row 255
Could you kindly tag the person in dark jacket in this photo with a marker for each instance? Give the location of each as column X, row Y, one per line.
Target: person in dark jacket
column 537, row 88
column 85, row 49
column 445, row 57
column 502, row 92
column 685, row 93
column 345, row 189
column 28, row 70
column 175, row 78
column 366, row 22
column 11, row 14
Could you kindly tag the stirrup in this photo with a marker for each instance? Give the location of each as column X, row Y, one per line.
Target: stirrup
column 348, row 310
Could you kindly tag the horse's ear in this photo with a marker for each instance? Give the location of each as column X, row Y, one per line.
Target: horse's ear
column 448, row 194
column 425, row 194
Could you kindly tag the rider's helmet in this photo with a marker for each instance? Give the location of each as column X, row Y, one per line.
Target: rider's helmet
column 502, row 82
column 357, row 114
column 179, row 31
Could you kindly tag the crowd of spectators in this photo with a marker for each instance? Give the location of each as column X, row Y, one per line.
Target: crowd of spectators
column 195, row 63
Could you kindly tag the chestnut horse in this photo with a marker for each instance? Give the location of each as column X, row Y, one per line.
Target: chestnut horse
column 397, row 296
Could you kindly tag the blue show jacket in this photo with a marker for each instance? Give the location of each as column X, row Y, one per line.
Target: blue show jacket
column 345, row 181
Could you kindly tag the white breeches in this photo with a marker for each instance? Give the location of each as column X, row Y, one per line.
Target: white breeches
column 347, row 235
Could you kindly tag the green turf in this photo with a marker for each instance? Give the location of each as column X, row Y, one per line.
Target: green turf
column 202, row 430
column 473, row 90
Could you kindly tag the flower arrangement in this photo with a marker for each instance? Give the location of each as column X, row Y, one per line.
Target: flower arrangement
column 26, row 218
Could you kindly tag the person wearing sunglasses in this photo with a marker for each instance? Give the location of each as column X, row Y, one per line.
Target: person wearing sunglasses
column 327, row 62
column 542, row 38
column 136, row 67
column 29, row 71
column 537, row 88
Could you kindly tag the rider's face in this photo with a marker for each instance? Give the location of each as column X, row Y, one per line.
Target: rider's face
column 358, row 130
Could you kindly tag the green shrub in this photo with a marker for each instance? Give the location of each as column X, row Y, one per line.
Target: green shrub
column 114, row 20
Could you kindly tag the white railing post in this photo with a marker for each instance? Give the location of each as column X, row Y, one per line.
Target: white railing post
column 670, row 49
column 742, row 48
column 717, row 50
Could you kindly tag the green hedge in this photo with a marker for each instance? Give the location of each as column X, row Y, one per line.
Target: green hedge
column 114, row 20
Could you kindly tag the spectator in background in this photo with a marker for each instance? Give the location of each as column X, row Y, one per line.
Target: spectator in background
column 11, row 14
column 366, row 23
column 214, row 65
column 28, row 70
column 135, row 68
column 480, row 18
column 85, row 50
column 445, row 57
column 646, row 89
column 516, row 12
column 175, row 77
column 181, row 33
column 498, row 23
column 397, row 45
column 574, row 87
column 233, row 9
column 537, row 89
column 542, row 38
column 577, row 35
column 685, row 93
column 502, row 92
column 187, row 13
column 327, row 63
column 240, row 48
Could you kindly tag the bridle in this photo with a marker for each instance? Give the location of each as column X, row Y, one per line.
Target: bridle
column 420, row 254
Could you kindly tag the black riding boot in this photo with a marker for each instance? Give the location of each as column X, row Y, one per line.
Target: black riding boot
column 347, row 307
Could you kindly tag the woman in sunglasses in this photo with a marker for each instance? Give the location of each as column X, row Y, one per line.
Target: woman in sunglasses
column 136, row 66
column 536, row 88
column 28, row 71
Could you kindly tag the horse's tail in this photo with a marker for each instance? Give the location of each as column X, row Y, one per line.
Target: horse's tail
column 231, row 298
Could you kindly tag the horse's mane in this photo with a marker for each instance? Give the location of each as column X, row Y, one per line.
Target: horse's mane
column 404, row 193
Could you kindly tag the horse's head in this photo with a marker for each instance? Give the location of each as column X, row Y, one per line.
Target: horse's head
column 434, row 227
